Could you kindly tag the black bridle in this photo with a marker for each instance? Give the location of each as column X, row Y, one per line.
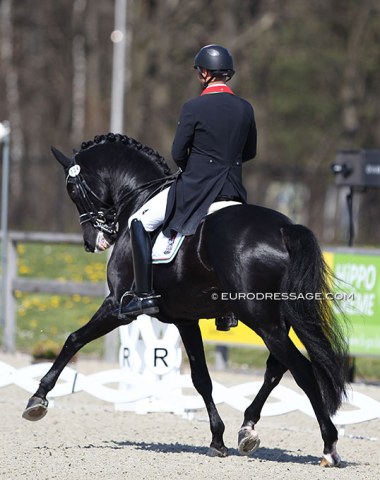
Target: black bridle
column 105, row 217
column 102, row 216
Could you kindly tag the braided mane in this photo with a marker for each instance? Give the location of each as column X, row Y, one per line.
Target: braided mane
column 130, row 142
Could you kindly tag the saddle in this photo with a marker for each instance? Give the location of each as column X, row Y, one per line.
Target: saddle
column 165, row 249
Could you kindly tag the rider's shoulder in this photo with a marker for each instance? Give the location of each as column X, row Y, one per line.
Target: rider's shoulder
column 246, row 104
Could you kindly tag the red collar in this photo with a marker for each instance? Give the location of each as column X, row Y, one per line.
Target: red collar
column 217, row 88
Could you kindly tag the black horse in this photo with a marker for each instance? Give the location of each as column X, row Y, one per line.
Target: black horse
column 237, row 251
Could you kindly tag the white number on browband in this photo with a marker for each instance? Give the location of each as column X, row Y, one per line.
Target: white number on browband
column 74, row 171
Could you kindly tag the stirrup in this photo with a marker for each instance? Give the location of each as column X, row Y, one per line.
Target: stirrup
column 146, row 304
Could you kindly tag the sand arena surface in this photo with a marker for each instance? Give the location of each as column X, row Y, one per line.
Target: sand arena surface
column 85, row 438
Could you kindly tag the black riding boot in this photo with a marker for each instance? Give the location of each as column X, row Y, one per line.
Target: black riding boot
column 144, row 300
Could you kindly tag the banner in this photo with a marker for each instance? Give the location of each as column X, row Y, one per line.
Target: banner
column 357, row 290
column 358, row 279
column 237, row 336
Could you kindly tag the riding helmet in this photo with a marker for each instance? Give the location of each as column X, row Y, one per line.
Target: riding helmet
column 215, row 58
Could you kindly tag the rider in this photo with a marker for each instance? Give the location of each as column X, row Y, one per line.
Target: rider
column 216, row 132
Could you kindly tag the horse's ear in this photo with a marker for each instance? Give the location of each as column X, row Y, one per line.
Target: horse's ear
column 62, row 159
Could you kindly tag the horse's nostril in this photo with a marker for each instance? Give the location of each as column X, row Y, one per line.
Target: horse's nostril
column 87, row 247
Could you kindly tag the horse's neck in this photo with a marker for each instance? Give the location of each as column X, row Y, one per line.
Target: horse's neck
column 126, row 171
column 128, row 192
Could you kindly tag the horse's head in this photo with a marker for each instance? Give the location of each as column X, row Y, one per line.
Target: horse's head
column 108, row 180
column 91, row 197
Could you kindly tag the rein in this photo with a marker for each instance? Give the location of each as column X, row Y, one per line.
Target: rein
column 161, row 182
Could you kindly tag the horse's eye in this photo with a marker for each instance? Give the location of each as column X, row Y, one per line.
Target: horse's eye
column 72, row 190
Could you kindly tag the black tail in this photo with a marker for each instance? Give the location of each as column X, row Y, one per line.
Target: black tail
column 314, row 319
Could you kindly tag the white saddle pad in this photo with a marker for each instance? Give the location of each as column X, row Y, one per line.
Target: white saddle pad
column 165, row 249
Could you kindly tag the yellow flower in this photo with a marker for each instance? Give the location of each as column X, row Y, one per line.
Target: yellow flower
column 27, row 302
column 55, row 301
column 23, row 269
column 68, row 258
column 20, row 249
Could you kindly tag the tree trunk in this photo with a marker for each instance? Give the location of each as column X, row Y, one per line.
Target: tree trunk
column 78, row 115
column 13, row 103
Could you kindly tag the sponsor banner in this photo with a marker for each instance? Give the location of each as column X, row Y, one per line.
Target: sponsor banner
column 237, row 336
column 359, row 276
column 357, row 290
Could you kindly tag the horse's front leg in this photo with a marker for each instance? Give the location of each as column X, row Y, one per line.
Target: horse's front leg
column 192, row 340
column 248, row 438
column 100, row 324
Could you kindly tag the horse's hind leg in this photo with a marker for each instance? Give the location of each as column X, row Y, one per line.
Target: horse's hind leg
column 301, row 368
column 100, row 324
column 248, row 439
column 192, row 340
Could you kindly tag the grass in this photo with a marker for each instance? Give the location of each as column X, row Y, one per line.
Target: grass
column 42, row 317
column 367, row 369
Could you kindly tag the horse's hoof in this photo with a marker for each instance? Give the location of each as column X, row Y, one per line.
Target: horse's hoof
column 218, row 452
column 36, row 409
column 248, row 441
column 330, row 460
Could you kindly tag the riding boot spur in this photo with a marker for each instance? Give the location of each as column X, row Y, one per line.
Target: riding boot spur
column 144, row 299
column 225, row 323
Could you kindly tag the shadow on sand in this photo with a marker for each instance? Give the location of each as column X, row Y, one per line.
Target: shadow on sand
column 277, row 455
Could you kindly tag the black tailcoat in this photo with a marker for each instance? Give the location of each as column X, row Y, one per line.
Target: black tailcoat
column 216, row 132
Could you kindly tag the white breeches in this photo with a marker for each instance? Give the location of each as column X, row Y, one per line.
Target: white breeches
column 152, row 213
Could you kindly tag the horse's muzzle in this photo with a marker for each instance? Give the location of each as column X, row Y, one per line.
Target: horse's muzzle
column 88, row 248
column 90, row 235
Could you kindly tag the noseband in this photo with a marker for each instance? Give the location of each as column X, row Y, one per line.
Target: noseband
column 102, row 218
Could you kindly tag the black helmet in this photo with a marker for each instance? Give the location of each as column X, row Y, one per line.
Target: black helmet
column 215, row 58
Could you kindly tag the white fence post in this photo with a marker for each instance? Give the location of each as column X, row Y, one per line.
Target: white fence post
column 5, row 140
